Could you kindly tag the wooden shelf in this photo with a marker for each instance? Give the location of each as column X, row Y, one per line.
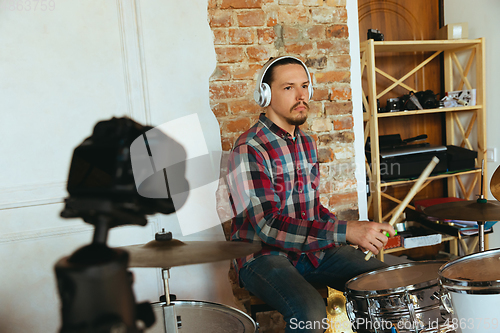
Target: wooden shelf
column 421, row 45
column 366, row 116
column 456, row 77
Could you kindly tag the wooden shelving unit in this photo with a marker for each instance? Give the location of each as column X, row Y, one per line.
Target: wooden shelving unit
column 456, row 69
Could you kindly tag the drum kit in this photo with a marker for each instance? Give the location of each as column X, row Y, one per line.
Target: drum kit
column 462, row 295
column 426, row 296
column 95, row 286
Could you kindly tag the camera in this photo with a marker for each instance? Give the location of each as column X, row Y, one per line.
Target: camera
column 375, row 35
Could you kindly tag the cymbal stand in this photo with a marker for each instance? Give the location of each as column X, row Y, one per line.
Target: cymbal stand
column 480, row 224
column 172, row 321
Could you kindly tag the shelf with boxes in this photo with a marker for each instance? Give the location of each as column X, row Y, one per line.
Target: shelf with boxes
column 463, row 64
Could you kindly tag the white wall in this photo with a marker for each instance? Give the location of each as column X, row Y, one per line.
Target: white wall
column 482, row 18
column 61, row 71
column 353, row 26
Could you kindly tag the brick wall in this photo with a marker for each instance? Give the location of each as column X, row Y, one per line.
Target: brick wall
column 246, row 34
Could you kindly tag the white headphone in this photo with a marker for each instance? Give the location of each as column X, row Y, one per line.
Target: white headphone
column 262, row 93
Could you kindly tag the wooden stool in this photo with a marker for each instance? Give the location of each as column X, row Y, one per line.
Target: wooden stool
column 257, row 305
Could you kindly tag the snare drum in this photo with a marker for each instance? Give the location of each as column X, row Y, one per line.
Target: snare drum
column 473, row 283
column 405, row 296
column 204, row 317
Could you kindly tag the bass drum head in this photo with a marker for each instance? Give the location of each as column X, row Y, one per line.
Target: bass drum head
column 204, row 317
column 396, row 278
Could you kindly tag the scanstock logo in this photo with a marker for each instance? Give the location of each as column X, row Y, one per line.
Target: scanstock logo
column 173, row 161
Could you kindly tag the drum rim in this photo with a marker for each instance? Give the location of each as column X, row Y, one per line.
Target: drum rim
column 469, row 287
column 402, row 289
column 195, row 302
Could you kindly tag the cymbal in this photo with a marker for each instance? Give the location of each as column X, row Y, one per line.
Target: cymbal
column 166, row 254
column 466, row 210
column 495, row 184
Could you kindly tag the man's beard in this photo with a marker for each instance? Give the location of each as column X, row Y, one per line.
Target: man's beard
column 301, row 118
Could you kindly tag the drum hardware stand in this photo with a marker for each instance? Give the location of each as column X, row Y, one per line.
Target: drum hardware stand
column 481, row 199
column 172, row 321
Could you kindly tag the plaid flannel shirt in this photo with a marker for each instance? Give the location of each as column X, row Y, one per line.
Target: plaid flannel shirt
column 273, row 182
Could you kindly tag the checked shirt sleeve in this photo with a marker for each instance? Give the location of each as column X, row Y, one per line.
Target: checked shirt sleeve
column 256, row 199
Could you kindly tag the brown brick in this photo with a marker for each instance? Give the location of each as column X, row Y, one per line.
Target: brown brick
column 345, row 170
column 341, row 93
column 293, row 15
column 220, row 36
column 251, row 18
column 227, row 144
column 266, row 35
column 349, row 214
column 291, row 32
column 325, row 155
column 244, row 106
column 338, row 108
column 272, row 19
column 337, row 31
column 241, row 4
column 316, row 62
column 229, row 54
column 220, row 18
column 315, row 109
column 248, row 72
column 225, row 90
column 220, row 110
column 343, row 123
column 334, row 46
column 341, row 137
column 343, row 199
column 212, row 4
column 299, row 48
column 341, row 61
column 221, row 73
column 312, row 3
column 322, row 125
column 242, row 36
column 259, row 53
column 332, row 76
column 329, row 15
column 316, row 32
column 336, row 3
column 321, row 94
column 238, row 125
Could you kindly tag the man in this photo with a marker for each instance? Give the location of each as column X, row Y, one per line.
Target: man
column 273, row 179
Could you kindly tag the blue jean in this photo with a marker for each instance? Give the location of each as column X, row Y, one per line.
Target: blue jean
column 291, row 290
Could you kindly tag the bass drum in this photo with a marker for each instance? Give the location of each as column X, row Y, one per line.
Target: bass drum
column 204, row 317
column 473, row 282
column 405, row 296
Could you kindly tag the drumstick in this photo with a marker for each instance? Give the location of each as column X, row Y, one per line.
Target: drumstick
column 414, row 190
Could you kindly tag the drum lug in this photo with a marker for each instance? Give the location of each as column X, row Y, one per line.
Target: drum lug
column 445, row 298
column 349, row 307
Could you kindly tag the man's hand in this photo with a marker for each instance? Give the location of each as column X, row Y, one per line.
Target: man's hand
column 368, row 235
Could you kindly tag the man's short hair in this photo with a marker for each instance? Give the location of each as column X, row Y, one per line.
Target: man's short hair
column 269, row 77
